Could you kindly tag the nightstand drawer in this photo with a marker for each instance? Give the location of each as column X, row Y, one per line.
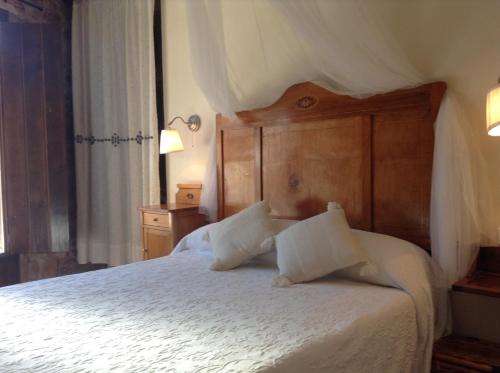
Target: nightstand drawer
column 457, row 366
column 156, row 220
column 455, row 353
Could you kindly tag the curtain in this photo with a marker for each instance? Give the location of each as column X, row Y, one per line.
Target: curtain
column 115, row 126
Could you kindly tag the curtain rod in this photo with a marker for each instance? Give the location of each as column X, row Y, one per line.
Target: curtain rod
column 33, row 5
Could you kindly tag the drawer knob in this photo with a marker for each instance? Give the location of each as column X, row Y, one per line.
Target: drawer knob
column 155, row 219
column 190, row 196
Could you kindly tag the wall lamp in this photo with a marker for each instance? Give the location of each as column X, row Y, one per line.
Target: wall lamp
column 493, row 111
column 170, row 140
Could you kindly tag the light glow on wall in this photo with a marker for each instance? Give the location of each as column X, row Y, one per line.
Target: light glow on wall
column 493, row 111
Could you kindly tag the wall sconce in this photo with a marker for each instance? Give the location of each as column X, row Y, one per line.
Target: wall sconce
column 493, row 111
column 170, row 140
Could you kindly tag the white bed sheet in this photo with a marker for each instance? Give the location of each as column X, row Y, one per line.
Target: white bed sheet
column 175, row 315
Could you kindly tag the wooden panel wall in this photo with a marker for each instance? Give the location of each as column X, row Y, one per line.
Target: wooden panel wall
column 37, row 147
column 305, row 165
column 401, row 174
column 241, row 184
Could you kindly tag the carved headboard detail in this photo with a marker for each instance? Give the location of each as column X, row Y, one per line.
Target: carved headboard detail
column 372, row 155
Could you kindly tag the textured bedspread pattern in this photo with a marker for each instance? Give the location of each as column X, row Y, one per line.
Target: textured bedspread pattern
column 175, row 315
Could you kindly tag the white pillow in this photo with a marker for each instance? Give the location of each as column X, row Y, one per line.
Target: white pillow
column 237, row 239
column 385, row 253
column 196, row 243
column 315, row 247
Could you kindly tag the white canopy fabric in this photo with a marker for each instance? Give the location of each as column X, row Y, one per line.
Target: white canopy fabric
column 240, row 46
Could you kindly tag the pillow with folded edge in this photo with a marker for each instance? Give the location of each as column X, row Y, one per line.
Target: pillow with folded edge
column 238, row 238
column 373, row 244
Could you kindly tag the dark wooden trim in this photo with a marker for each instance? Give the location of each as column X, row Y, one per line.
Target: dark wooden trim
column 259, row 187
column 68, row 118
column 331, row 106
column 482, row 283
column 170, row 207
column 220, row 169
column 368, row 172
column 461, row 354
column 484, row 275
column 372, row 165
column 3, row 195
column 160, row 108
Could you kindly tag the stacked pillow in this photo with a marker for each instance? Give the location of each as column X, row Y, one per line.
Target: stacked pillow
column 306, row 250
column 238, row 238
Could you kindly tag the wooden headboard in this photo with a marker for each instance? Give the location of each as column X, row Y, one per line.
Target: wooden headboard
column 372, row 155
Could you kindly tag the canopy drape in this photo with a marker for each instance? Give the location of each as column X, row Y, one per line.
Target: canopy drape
column 239, row 49
column 115, row 126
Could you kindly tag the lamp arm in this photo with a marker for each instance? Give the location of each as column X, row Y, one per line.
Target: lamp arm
column 193, row 122
column 174, row 119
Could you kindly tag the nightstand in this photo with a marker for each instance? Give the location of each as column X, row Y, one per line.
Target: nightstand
column 462, row 354
column 164, row 226
column 476, row 298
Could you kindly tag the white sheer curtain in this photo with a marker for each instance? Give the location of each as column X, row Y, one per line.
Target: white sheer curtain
column 342, row 44
column 115, row 126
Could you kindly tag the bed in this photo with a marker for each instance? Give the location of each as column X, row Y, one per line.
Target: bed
column 175, row 315
column 191, row 319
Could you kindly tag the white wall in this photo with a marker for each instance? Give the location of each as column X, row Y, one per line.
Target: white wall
column 183, row 97
column 452, row 40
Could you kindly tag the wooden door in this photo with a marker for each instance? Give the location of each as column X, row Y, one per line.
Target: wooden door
column 36, row 144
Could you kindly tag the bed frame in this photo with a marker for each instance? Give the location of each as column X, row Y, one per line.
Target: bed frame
column 372, row 155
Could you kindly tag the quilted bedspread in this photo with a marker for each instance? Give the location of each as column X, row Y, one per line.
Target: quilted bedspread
column 175, row 315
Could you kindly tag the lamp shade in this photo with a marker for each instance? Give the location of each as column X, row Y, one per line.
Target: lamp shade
column 170, row 141
column 493, row 111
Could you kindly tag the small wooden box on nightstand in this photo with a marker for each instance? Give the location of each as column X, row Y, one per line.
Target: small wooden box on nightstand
column 163, row 227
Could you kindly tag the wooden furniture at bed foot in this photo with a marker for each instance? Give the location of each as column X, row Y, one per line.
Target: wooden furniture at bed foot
column 476, row 298
column 464, row 354
column 163, row 227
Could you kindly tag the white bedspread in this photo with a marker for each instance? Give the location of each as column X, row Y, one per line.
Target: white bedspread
column 175, row 315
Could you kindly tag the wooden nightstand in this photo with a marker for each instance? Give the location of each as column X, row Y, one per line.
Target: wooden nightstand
column 462, row 354
column 163, row 227
column 476, row 298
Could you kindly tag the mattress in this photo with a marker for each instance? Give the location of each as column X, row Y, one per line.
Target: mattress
column 175, row 315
